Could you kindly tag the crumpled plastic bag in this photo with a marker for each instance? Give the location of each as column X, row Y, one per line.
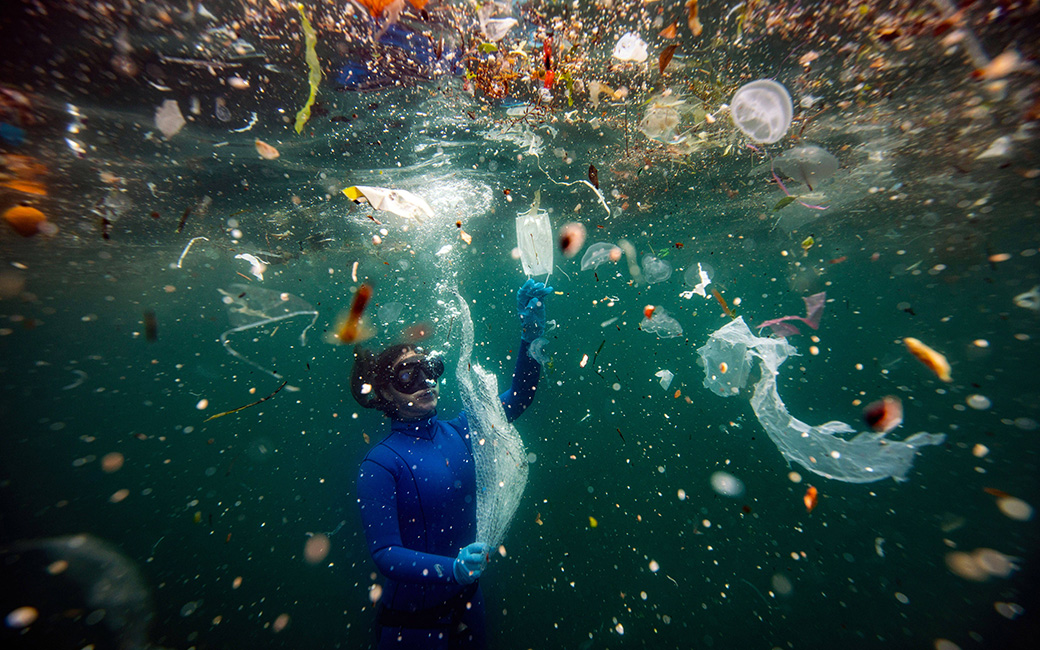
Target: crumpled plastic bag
column 727, row 358
column 399, row 202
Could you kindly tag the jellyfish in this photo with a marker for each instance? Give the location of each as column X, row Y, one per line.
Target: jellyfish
column 77, row 573
column 661, row 324
column 808, row 164
column 656, row 270
column 600, row 253
column 762, row 110
column 659, row 123
column 389, row 312
column 537, row 350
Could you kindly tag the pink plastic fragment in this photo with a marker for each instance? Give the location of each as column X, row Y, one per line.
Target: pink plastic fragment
column 813, row 311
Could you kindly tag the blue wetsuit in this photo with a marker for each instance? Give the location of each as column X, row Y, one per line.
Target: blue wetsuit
column 417, row 491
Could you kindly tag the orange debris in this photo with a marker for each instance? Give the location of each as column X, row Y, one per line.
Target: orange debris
column 935, row 361
column 812, row 495
column 25, row 220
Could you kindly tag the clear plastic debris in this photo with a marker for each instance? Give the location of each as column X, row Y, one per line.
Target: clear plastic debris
column 1027, row 299
column 631, row 48
column 666, row 377
column 498, row 452
column 168, row 118
column 727, row 358
column 250, row 307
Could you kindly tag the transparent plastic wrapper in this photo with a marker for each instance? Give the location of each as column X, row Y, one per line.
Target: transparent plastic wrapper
column 400, row 202
column 498, row 451
column 250, row 307
column 534, row 238
column 865, row 458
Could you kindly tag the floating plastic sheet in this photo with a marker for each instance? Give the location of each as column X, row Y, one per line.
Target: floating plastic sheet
column 534, row 238
column 250, row 307
column 399, row 202
column 865, row 458
column 498, row 451
column 496, row 28
column 814, row 305
column 666, row 377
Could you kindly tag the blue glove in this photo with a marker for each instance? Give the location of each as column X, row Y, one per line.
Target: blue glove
column 531, row 304
column 470, row 563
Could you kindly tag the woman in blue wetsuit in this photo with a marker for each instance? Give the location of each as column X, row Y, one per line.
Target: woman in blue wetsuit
column 417, row 491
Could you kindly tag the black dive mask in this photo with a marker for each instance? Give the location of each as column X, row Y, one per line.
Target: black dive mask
column 412, row 375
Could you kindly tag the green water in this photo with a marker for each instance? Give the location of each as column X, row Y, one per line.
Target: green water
column 670, row 562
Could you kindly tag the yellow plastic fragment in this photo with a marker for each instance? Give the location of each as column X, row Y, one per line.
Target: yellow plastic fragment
column 314, row 74
column 592, row 522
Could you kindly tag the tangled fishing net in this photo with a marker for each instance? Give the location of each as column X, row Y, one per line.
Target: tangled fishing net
column 498, row 451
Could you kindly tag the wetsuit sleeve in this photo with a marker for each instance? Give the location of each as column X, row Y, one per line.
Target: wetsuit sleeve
column 377, row 496
column 525, row 382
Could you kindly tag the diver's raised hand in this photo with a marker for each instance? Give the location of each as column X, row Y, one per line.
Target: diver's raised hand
column 530, row 301
column 470, row 563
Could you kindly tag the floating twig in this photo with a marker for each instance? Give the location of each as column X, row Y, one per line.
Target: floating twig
column 242, row 408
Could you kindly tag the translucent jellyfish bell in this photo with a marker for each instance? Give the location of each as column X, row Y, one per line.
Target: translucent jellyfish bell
column 661, row 324
column 538, row 350
column 809, row 164
column 762, row 110
column 600, row 253
column 656, row 270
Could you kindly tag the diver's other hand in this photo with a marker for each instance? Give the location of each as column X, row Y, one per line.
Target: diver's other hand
column 470, row 563
column 530, row 301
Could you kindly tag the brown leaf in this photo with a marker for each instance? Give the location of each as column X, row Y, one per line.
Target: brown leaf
column 666, row 57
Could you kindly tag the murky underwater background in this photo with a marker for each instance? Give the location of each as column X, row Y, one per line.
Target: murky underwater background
column 621, row 539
